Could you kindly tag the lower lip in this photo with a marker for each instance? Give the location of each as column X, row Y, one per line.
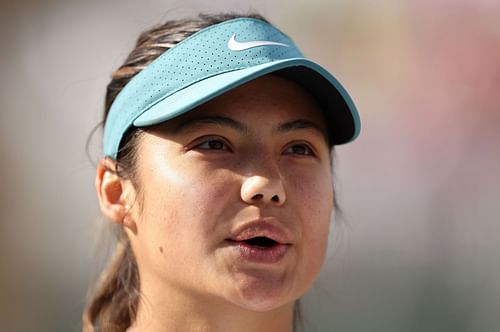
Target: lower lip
column 260, row 254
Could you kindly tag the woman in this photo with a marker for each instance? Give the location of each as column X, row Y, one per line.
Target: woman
column 218, row 145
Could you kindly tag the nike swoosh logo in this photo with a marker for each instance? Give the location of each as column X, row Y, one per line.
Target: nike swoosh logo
column 234, row 45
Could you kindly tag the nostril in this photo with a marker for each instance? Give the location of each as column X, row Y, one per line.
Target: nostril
column 258, row 196
column 257, row 189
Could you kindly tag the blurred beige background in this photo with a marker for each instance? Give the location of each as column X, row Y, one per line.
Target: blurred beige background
column 418, row 246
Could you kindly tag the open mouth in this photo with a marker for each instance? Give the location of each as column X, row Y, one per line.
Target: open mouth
column 260, row 249
column 260, row 242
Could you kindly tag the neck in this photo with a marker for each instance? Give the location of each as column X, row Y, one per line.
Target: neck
column 176, row 310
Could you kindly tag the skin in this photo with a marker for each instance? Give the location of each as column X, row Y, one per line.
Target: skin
column 258, row 152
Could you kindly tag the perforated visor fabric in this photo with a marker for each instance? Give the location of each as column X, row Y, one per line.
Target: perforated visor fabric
column 203, row 66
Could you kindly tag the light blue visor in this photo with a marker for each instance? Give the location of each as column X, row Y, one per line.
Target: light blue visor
column 215, row 60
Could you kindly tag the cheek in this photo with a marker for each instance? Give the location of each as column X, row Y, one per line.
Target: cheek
column 313, row 197
column 182, row 208
column 317, row 213
column 311, row 192
column 186, row 201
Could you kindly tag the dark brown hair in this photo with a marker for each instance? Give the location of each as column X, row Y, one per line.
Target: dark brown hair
column 112, row 304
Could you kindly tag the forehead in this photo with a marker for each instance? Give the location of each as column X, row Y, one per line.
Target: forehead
column 269, row 100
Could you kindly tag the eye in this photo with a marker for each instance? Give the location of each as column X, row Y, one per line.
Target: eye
column 213, row 144
column 300, row 149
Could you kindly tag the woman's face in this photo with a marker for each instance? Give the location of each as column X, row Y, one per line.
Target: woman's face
column 235, row 198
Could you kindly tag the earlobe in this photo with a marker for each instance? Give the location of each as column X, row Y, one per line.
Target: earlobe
column 112, row 193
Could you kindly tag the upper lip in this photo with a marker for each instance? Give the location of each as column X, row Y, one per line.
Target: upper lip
column 262, row 228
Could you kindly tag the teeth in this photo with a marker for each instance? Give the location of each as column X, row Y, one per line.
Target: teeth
column 261, row 241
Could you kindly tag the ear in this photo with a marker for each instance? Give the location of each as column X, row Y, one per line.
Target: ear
column 114, row 193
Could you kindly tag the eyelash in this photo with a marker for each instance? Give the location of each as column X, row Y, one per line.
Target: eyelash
column 307, row 150
column 221, row 145
column 207, row 144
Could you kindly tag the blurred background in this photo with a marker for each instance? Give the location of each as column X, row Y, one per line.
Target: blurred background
column 417, row 248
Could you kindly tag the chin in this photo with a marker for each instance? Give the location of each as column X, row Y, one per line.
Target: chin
column 263, row 304
column 261, row 296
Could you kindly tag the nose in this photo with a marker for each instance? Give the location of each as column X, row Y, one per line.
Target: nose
column 259, row 189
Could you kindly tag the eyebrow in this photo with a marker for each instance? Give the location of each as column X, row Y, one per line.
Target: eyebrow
column 211, row 119
column 241, row 127
column 301, row 124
